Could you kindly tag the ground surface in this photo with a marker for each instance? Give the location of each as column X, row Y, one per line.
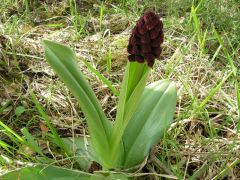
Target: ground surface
column 201, row 53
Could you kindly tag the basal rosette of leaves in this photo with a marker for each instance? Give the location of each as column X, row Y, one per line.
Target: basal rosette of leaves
column 144, row 111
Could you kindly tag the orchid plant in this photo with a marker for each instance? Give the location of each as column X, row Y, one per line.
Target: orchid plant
column 144, row 112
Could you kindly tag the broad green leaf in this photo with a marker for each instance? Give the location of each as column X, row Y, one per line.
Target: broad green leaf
column 82, row 151
column 44, row 172
column 109, row 176
column 152, row 117
column 135, row 78
column 62, row 60
column 41, row 172
column 117, row 177
column 133, row 85
column 85, row 155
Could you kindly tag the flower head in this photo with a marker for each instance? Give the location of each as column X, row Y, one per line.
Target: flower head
column 147, row 36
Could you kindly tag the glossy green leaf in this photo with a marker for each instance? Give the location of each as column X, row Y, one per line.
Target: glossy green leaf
column 134, row 81
column 62, row 60
column 133, row 85
column 152, row 117
column 44, row 172
column 41, row 172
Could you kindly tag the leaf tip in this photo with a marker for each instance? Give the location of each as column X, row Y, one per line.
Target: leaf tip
column 46, row 42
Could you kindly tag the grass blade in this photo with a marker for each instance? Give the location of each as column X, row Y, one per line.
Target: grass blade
column 196, row 23
column 31, row 141
column 102, row 78
column 6, row 147
column 109, row 59
column 11, row 134
column 48, row 122
column 101, row 15
column 234, row 69
column 229, row 58
column 228, row 168
column 15, row 138
column 214, row 91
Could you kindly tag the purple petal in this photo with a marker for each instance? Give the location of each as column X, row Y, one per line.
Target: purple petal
column 145, row 48
column 159, row 40
column 139, row 58
column 155, row 31
column 133, row 49
column 161, row 37
column 145, row 39
column 137, row 40
column 131, row 57
column 149, row 57
column 157, row 51
column 135, row 32
column 140, row 27
column 148, row 16
column 150, row 63
column 152, row 23
column 130, row 49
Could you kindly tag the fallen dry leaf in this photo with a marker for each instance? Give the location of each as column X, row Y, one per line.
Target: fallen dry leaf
column 43, row 127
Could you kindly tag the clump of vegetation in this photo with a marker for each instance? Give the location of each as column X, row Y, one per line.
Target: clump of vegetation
column 143, row 113
column 42, row 124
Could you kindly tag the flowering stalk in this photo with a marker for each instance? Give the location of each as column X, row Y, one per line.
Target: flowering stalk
column 144, row 46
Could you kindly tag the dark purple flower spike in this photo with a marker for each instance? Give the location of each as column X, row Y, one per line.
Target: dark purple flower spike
column 146, row 38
